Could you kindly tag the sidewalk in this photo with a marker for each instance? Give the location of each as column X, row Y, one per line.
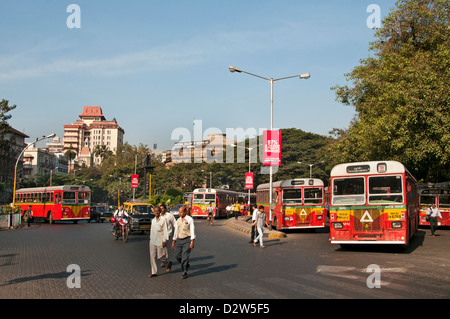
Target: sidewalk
column 243, row 224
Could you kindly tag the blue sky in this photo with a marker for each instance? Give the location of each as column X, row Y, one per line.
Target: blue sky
column 156, row 65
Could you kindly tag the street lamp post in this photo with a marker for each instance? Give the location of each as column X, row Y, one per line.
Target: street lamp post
column 17, row 162
column 310, row 167
column 271, row 81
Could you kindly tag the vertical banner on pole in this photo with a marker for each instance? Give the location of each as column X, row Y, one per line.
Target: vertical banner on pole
column 248, row 180
column 134, row 181
column 272, row 148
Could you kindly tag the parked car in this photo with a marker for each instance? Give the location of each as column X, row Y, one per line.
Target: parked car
column 141, row 215
column 100, row 213
column 175, row 209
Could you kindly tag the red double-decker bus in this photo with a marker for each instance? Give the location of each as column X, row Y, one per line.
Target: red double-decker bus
column 372, row 203
column 435, row 193
column 62, row 203
column 298, row 203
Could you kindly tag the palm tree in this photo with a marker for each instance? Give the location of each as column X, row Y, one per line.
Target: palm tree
column 70, row 154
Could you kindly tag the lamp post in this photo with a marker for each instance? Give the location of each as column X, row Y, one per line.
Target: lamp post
column 271, row 81
column 310, row 167
column 17, row 162
column 249, row 161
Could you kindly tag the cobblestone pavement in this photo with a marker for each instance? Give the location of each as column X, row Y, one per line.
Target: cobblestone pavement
column 34, row 262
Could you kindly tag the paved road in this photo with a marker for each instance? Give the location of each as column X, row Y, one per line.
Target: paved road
column 224, row 265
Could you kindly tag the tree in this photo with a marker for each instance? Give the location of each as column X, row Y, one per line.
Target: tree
column 401, row 94
column 70, row 154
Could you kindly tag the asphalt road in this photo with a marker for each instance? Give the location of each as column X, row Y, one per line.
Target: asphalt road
column 34, row 264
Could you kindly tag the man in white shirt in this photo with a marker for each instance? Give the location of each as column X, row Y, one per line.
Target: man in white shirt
column 434, row 213
column 183, row 240
column 253, row 228
column 158, row 239
column 171, row 226
column 119, row 213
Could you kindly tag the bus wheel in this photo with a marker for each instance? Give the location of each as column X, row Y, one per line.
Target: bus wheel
column 50, row 218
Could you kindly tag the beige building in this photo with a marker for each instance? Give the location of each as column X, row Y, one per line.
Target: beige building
column 38, row 160
column 208, row 150
column 90, row 132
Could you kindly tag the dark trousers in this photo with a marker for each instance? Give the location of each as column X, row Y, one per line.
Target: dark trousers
column 433, row 224
column 182, row 251
column 252, row 234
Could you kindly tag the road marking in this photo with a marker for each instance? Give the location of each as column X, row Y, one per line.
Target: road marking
column 304, row 289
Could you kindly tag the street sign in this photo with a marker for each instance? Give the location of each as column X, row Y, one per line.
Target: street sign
column 248, row 180
column 134, row 181
column 272, row 148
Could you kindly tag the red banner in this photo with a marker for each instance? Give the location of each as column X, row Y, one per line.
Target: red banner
column 134, row 181
column 272, row 148
column 248, row 180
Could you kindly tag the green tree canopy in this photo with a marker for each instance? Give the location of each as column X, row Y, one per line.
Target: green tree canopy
column 401, row 94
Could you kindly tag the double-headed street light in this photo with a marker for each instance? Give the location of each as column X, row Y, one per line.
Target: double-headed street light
column 17, row 162
column 271, row 81
column 310, row 167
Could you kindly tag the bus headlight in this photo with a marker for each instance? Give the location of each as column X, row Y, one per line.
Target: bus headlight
column 338, row 225
column 319, row 217
column 396, row 224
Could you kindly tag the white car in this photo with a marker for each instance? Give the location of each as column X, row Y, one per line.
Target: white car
column 175, row 209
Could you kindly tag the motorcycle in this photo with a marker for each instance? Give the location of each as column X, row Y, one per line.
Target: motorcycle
column 122, row 227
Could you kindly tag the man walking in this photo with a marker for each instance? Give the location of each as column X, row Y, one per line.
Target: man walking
column 158, row 239
column 254, row 211
column 171, row 224
column 183, row 240
column 433, row 212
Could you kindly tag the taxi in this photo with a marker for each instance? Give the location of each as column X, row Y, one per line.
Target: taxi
column 141, row 214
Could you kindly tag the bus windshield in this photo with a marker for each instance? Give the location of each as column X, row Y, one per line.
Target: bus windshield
column 348, row 191
column 83, row 197
column 427, row 201
column 292, row 196
column 385, row 189
column 210, row 198
column 198, row 198
column 313, row 195
column 444, row 202
column 69, row 198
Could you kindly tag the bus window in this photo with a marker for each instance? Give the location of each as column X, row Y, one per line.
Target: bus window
column 444, row 202
column 385, row 189
column 68, row 197
column 313, row 195
column 348, row 191
column 198, row 198
column 83, row 197
column 210, row 198
column 292, row 196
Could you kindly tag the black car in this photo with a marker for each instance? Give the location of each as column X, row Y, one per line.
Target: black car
column 141, row 215
column 99, row 213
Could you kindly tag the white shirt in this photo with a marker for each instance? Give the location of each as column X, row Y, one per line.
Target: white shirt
column 120, row 213
column 158, row 231
column 434, row 212
column 170, row 222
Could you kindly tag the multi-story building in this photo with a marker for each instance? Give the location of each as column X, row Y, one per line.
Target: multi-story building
column 38, row 161
column 12, row 145
column 92, row 132
column 210, row 149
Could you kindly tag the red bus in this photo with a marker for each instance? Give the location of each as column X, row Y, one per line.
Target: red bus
column 372, row 203
column 435, row 193
column 298, row 203
column 66, row 203
column 219, row 199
